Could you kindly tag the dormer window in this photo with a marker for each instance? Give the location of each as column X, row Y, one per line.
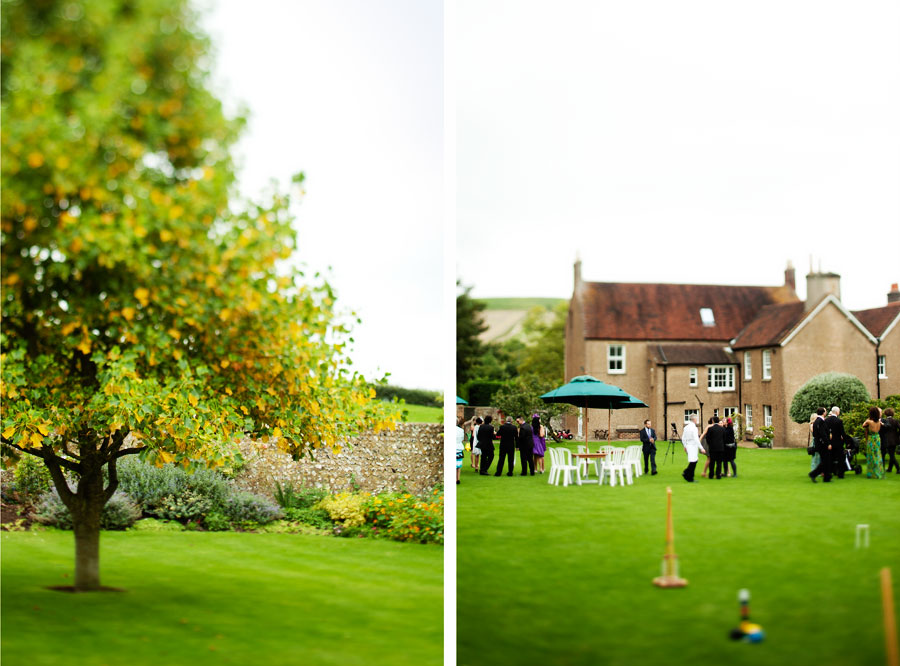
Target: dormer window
column 706, row 316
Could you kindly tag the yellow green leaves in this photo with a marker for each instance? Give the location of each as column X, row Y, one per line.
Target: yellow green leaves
column 9, row 432
column 36, row 439
column 143, row 296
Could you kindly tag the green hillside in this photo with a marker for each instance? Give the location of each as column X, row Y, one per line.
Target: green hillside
column 519, row 303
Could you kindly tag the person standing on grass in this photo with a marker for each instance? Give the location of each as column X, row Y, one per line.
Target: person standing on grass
column 890, row 438
column 874, row 463
column 730, row 449
column 834, row 429
column 486, row 444
column 648, row 448
column 473, row 442
column 715, row 444
column 508, row 436
column 539, row 435
column 460, row 446
column 822, row 456
column 691, row 441
column 526, row 446
column 703, row 444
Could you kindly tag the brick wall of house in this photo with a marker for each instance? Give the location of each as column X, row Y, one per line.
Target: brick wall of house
column 890, row 349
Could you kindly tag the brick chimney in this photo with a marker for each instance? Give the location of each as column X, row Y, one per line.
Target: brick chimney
column 579, row 285
column 789, row 276
column 894, row 294
column 819, row 285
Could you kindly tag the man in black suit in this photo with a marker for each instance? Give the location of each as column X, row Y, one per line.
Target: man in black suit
column 715, row 442
column 823, row 447
column 508, row 436
column 648, row 439
column 526, row 446
column 834, row 428
column 486, row 444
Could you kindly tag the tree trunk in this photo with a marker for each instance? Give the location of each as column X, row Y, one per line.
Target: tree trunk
column 87, row 548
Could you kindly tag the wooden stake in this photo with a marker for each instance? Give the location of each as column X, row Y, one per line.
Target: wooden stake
column 670, row 576
column 892, row 656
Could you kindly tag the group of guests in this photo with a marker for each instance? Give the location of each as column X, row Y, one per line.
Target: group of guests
column 720, row 449
column 530, row 439
column 828, row 437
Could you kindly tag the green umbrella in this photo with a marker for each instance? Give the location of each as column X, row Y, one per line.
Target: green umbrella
column 589, row 392
column 460, row 401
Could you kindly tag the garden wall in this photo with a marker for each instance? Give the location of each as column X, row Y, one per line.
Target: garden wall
column 411, row 457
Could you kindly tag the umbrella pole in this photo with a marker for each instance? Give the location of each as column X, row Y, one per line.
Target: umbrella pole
column 608, row 425
column 586, row 425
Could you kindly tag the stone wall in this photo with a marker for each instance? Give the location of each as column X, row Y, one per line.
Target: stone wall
column 410, row 457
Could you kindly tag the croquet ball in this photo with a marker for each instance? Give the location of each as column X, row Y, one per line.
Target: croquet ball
column 753, row 633
column 736, row 634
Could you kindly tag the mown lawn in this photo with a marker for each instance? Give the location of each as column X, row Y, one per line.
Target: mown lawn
column 553, row 575
column 223, row 598
column 422, row 414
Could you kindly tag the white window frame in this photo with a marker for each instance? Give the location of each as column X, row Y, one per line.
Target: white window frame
column 618, row 358
column 720, row 378
column 882, row 367
column 707, row 317
column 767, row 415
column 729, row 411
column 748, row 416
column 693, row 374
column 748, row 367
column 689, row 412
column 767, row 364
column 716, row 412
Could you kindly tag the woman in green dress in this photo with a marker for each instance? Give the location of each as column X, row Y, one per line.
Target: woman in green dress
column 874, row 463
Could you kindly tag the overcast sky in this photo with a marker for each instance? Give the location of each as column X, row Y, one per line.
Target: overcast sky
column 350, row 92
column 691, row 142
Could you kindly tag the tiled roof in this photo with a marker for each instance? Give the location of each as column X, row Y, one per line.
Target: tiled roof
column 674, row 354
column 638, row 311
column 878, row 319
column 770, row 326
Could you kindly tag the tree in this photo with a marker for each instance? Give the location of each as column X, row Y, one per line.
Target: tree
column 469, row 325
column 544, row 354
column 145, row 309
column 522, row 397
column 827, row 390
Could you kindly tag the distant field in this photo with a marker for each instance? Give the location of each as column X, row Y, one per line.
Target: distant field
column 421, row 414
column 519, row 303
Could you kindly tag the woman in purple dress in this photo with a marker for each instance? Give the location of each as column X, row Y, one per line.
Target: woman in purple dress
column 539, row 434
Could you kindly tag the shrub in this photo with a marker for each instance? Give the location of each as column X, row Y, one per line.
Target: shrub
column 317, row 518
column 288, row 527
column 152, row 486
column 481, row 391
column 216, row 522
column 402, row 517
column 346, row 509
column 855, row 416
column 157, row 525
column 119, row 513
column 32, row 478
column 149, row 485
column 827, row 390
column 245, row 507
column 290, row 498
column 410, row 396
column 764, row 440
column 184, row 507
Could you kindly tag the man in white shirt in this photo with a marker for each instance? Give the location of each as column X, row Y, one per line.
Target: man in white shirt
column 691, row 441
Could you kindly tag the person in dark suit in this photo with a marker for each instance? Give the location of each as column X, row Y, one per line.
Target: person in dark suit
column 526, row 446
column 648, row 440
column 715, row 443
column 823, row 447
column 486, row 444
column 834, row 429
column 509, row 434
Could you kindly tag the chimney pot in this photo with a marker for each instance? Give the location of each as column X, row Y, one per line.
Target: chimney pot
column 894, row 294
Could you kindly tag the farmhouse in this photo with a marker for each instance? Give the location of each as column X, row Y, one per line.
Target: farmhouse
column 719, row 349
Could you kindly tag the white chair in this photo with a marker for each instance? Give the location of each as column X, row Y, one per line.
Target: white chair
column 586, row 462
column 553, row 476
column 567, row 467
column 614, row 463
column 633, row 459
